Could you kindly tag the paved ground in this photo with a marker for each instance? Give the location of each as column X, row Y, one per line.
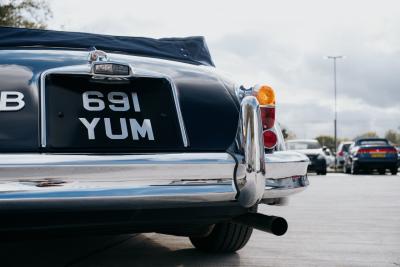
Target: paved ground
column 340, row 220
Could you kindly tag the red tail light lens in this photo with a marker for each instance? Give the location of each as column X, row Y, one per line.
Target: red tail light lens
column 390, row 150
column 340, row 153
column 270, row 139
column 267, row 117
column 266, row 98
column 376, row 150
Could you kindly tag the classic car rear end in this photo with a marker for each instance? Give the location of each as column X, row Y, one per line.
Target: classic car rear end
column 142, row 136
column 371, row 154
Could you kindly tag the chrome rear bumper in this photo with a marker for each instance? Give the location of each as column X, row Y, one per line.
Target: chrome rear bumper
column 136, row 181
column 63, row 181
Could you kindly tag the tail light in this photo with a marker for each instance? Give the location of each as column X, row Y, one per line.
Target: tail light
column 265, row 95
column 340, row 153
column 267, row 117
column 391, row 150
column 266, row 98
column 377, row 150
column 270, row 139
column 363, row 151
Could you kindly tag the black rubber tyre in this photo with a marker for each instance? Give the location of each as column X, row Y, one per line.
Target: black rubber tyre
column 381, row 171
column 346, row 169
column 393, row 171
column 354, row 169
column 323, row 172
column 225, row 237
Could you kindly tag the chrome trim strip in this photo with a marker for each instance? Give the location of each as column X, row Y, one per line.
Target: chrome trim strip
column 87, row 70
column 280, row 164
column 284, row 187
column 150, row 169
column 118, row 198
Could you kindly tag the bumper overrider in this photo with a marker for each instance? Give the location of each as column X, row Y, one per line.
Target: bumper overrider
column 129, row 181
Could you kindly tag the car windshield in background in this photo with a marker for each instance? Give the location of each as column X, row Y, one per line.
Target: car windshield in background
column 346, row 147
column 303, row 145
column 373, row 143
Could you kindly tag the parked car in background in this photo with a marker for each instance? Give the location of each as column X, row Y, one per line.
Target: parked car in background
column 329, row 157
column 370, row 154
column 127, row 134
column 398, row 156
column 342, row 150
column 313, row 150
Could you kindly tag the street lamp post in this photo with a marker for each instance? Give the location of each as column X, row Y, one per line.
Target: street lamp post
column 334, row 87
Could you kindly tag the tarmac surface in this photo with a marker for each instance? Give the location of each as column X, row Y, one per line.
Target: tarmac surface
column 340, row 220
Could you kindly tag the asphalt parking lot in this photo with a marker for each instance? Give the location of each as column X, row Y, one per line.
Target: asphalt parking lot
column 340, row 220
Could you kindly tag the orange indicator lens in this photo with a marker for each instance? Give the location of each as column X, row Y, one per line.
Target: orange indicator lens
column 265, row 95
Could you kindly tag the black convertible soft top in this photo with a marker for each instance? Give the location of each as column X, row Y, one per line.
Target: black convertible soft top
column 190, row 49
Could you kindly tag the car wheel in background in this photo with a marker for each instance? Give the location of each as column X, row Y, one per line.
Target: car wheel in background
column 354, row 169
column 393, row 171
column 224, row 237
column 381, row 171
column 346, row 169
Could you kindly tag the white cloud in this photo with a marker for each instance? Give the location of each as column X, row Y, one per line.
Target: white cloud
column 281, row 43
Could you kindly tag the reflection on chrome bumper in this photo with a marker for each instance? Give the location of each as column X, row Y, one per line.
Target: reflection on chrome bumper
column 129, row 181
column 155, row 180
column 255, row 166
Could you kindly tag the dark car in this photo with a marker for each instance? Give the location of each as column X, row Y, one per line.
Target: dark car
column 371, row 154
column 125, row 134
column 314, row 151
column 398, row 156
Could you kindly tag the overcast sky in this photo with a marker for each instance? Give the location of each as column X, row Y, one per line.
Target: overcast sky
column 280, row 43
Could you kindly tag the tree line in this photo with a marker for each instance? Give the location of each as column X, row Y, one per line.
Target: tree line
column 24, row 13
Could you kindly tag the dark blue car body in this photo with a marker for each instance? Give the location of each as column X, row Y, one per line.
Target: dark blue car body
column 371, row 154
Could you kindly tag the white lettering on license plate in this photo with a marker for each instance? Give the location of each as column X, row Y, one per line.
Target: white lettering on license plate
column 11, row 101
column 118, row 102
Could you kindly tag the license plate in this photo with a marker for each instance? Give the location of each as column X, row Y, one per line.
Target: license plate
column 378, row 155
column 129, row 115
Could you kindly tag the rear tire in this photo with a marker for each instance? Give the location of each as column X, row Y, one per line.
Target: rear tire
column 381, row 171
column 346, row 169
column 354, row 169
column 393, row 171
column 226, row 237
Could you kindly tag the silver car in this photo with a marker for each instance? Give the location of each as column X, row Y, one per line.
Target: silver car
column 342, row 150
